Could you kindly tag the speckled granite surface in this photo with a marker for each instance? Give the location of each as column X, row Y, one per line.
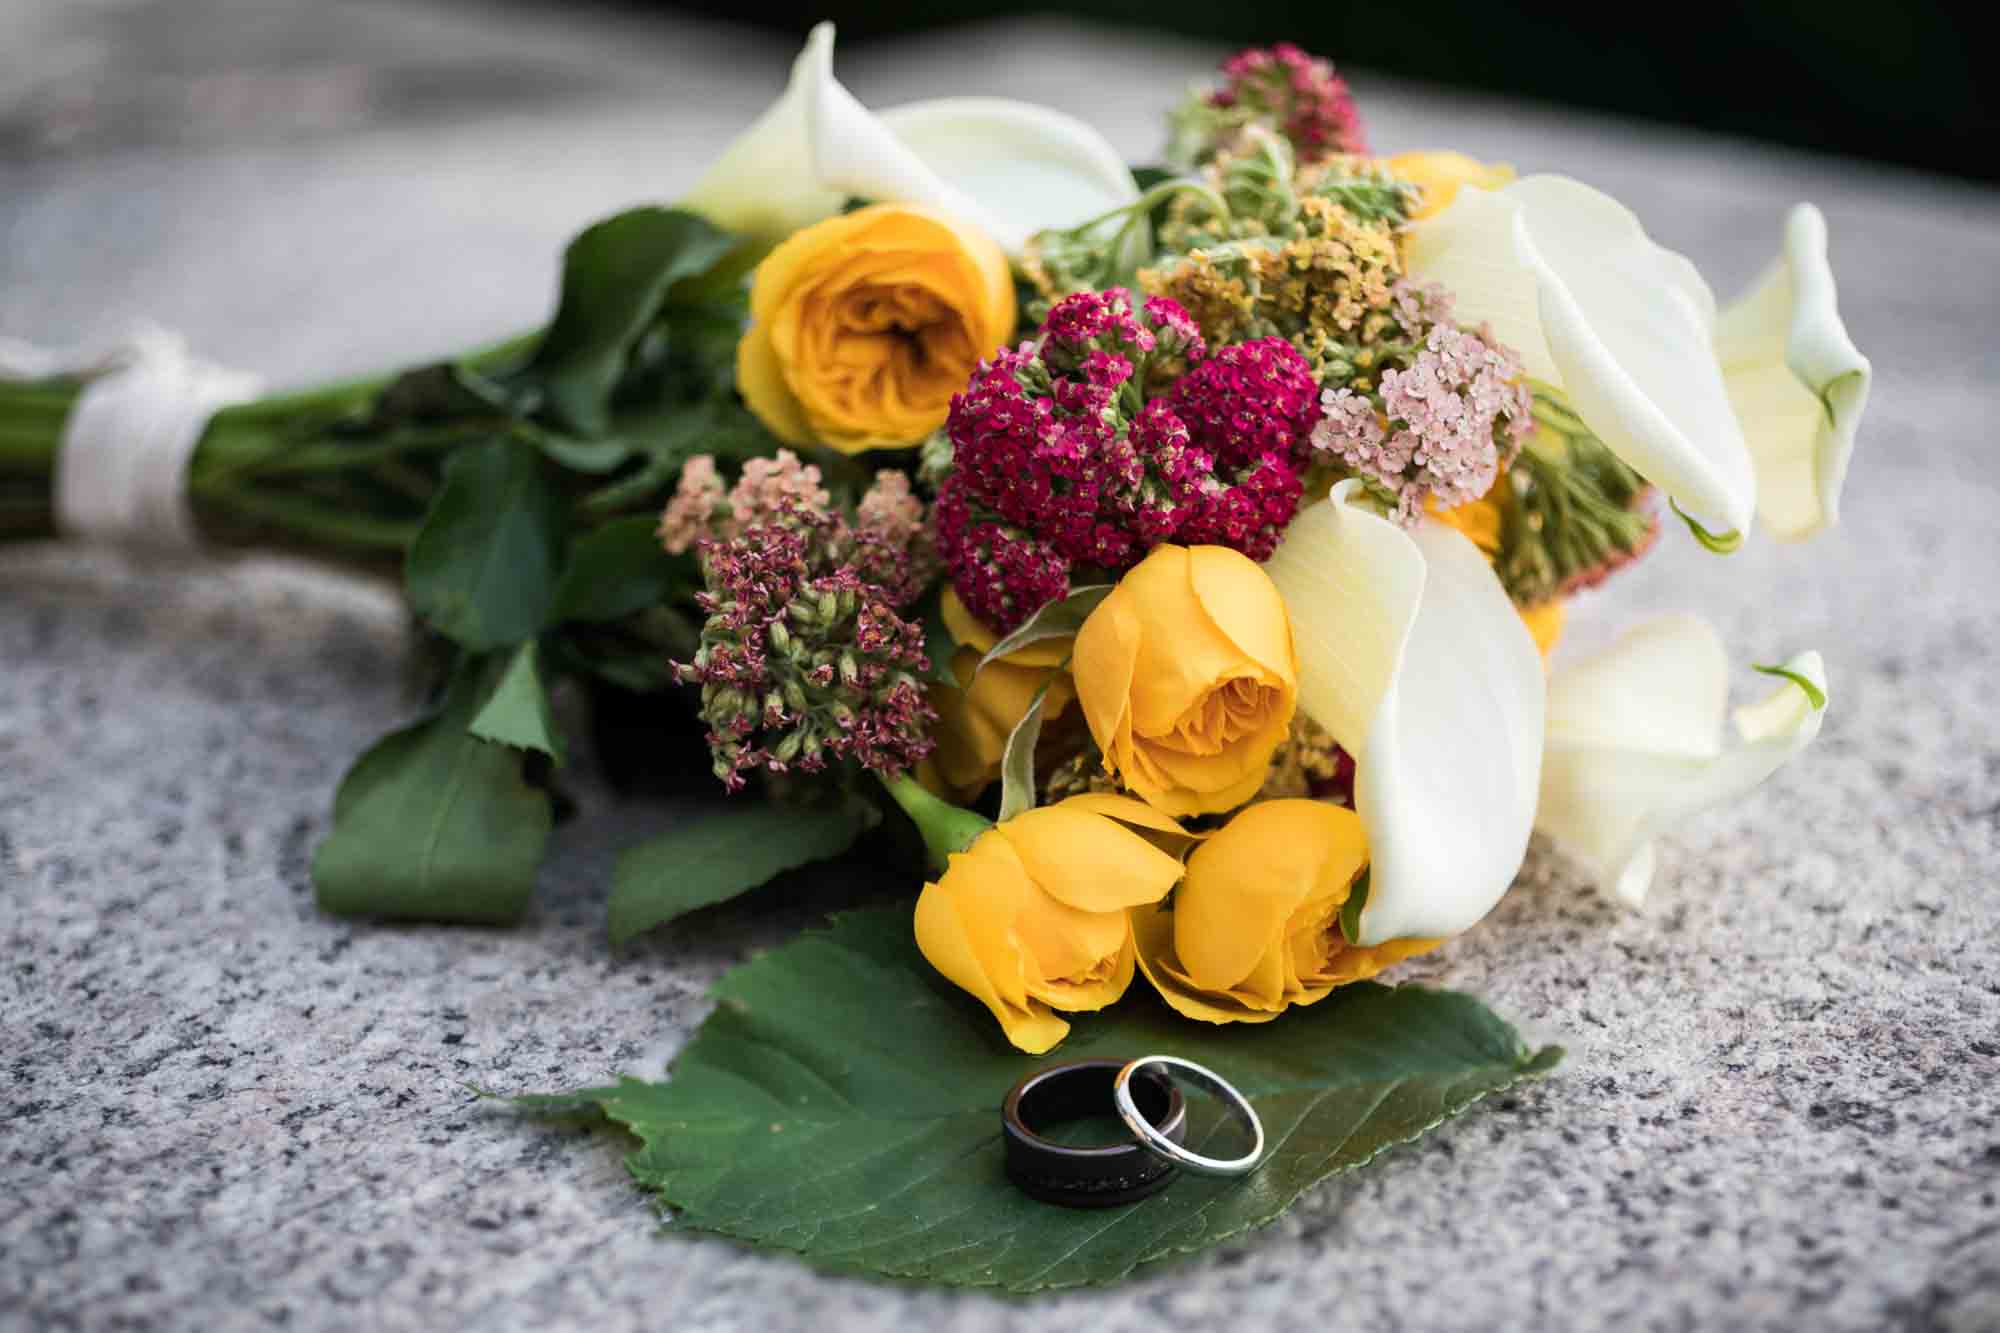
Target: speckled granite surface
column 219, row 1110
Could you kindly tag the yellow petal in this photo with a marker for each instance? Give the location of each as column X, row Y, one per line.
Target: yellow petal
column 1545, row 624
column 1089, row 862
column 964, row 928
column 1153, row 937
column 1244, row 884
column 760, row 378
column 1182, row 653
column 1442, row 173
column 1102, row 665
column 974, row 723
column 1156, row 826
column 1246, row 607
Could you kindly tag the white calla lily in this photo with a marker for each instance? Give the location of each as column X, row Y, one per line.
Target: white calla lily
column 1414, row 660
column 1009, row 168
column 1798, row 383
column 1635, row 744
column 1567, row 277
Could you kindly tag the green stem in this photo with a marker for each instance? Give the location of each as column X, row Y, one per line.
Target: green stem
column 946, row 828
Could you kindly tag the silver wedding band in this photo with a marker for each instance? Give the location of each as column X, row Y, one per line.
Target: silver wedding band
column 1165, row 1148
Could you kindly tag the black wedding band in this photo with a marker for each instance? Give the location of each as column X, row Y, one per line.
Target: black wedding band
column 1088, row 1177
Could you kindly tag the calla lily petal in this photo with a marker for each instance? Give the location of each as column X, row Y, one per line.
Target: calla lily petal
column 1797, row 380
column 1413, row 659
column 1635, row 745
column 764, row 186
column 1009, row 168
column 1567, row 277
column 1025, row 167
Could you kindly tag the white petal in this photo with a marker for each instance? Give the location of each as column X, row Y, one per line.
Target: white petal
column 1635, row 745
column 1798, row 382
column 763, row 185
column 1568, row 278
column 1008, row 168
column 1411, row 656
column 1025, row 166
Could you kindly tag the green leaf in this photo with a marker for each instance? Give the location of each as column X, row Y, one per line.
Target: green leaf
column 712, row 857
column 940, row 644
column 1814, row 694
column 434, row 824
column 595, row 457
column 1721, row 543
column 615, row 278
column 518, row 712
column 620, row 568
column 1057, row 620
column 843, row 1103
column 1017, row 763
column 1351, row 910
column 483, row 569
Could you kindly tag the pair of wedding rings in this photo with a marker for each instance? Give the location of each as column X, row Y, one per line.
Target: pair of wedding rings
column 1144, row 1095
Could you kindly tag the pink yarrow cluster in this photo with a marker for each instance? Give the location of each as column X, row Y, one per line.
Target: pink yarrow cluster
column 1441, row 429
column 703, row 507
column 1117, row 431
column 1301, row 94
column 803, row 658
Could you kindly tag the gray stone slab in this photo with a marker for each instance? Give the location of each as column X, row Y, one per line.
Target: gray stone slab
column 221, row 1110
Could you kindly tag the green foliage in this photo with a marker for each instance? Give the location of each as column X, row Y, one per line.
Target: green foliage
column 518, row 712
column 435, row 824
column 483, row 570
column 714, row 855
column 1351, row 910
column 940, row 644
column 620, row 568
column 842, row 1102
column 1572, row 511
column 1017, row 763
column 1057, row 620
column 616, row 276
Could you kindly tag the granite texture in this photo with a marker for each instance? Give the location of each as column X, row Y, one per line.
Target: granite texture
column 221, row 1110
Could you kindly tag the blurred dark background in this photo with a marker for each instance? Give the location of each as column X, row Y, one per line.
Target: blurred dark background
column 1908, row 83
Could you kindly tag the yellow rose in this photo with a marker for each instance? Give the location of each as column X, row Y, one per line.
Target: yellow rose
column 975, row 721
column 863, row 326
column 1033, row 916
column 1440, row 175
column 1188, row 679
column 1255, row 926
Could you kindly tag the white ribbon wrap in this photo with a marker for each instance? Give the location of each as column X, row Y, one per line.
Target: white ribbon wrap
column 121, row 474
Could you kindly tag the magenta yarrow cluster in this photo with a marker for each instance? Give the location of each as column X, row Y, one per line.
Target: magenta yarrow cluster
column 1440, row 429
column 1301, row 95
column 1117, row 431
column 803, row 658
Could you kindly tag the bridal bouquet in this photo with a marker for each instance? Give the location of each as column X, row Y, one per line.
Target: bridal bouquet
column 1172, row 553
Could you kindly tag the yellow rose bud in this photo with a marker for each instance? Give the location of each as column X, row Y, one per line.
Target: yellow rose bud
column 1442, row 173
column 1255, row 926
column 1033, row 916
column 974, row 721
column 1188, row 678
column 863, row 326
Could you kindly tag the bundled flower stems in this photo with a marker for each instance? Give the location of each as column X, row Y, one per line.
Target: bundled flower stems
column 1173, row 552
